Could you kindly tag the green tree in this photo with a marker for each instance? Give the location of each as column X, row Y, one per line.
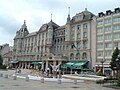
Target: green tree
column 1, row 60
column 118, row 81
column 1, row 63
column 114, row 57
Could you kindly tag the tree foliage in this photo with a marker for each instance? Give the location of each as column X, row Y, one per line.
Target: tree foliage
column 118, row 81
column 114, row 57
column 1, row 63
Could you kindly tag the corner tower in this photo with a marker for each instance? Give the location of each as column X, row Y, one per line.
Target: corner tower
column 18, row 40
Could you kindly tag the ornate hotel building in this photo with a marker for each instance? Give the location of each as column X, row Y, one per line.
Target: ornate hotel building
column 108, row 37
column 54, row 44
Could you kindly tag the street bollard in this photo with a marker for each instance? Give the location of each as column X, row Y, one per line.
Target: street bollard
column 1, row 75
column 75, row 81
column 27, row 78
column 6, row 76
column 14, row 77
column 59, row 80
column 42, row 80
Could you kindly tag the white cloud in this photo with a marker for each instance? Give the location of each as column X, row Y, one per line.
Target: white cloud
column 38, row 12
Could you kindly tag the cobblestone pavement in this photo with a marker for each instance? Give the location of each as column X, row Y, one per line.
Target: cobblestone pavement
column 21, row 84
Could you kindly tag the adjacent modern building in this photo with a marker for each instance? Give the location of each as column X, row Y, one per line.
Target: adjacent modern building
column 73, row 45
column 107, row 37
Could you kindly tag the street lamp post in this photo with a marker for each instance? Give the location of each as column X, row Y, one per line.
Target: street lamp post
column 73, row 46
column 102, row 62
column 118, row 68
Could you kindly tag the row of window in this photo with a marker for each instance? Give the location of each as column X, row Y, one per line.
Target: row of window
column 108, row 37
column 78, row 46
column 72, row 36
column 108, row 28
column 57, row 33
column 59, row 40
column 79, row 27
column 108, row 45
column 25, row 57
column 77, row 56
column 106, row 53
column 108, row 20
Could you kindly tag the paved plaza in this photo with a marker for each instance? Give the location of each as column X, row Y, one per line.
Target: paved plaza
column 22, row 84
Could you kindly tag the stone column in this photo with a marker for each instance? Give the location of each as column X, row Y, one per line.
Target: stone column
column 54, row 69
column 19, row 64
column 25, row 65
column 22, row 64
column 34, row 66
column 43, row 65
column 46, row 66
column 29, row 65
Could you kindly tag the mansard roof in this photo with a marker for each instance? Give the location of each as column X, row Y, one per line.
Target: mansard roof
column 61, row 27
column 50, row 24
column 31, row 34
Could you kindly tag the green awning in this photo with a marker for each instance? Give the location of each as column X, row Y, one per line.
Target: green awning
column 68, row 64
column 75, row 64
column 36, row 63
column 14, row 61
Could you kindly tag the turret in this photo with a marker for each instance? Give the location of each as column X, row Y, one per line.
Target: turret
column 67, row 28
column 18, row 40
column 50, row 33
column 22, row 31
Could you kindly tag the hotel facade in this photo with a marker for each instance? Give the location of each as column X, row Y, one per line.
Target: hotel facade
column 107, row 37
column 72, row 45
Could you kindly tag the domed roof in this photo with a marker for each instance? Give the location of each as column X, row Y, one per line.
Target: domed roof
column 83, row 16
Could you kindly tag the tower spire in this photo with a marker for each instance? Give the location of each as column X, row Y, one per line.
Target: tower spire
column 51, row 16
column 68, row 10
column 24, row 22
column 68, row 18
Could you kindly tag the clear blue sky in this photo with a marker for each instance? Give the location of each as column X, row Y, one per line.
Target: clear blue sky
column 38, row 12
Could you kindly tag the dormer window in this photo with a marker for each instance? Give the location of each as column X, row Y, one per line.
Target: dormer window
column 117, row 10
column 101, row 14
column 109, row 12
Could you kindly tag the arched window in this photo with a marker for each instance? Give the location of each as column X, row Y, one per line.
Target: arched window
column 84, row 56
column 61, row 40
column 78, row 56
column 58, row 40
column 72, row 56
column 55, row 41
